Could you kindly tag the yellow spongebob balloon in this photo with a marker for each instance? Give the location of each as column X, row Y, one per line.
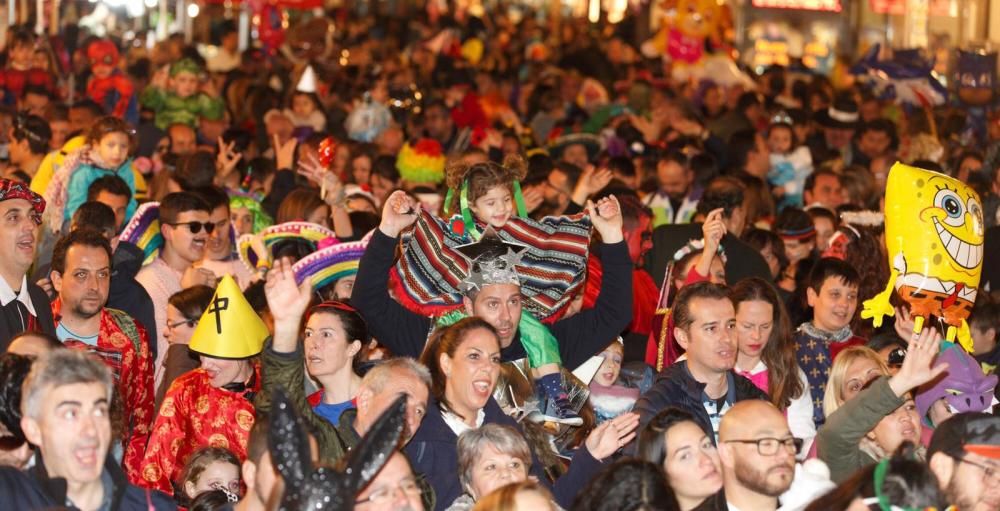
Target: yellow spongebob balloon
column 934, row 237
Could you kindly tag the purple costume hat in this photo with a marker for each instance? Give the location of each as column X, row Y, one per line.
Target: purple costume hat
column 963, row 386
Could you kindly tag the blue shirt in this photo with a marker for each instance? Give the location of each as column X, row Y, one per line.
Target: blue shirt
column 64, row 334
column 332, row 412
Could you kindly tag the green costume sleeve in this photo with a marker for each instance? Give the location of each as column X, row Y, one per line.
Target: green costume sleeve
column 153, row 98
column 539, row 343
column 210, row 108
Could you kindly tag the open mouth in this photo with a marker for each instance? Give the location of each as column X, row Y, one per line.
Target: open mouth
column 967, row 255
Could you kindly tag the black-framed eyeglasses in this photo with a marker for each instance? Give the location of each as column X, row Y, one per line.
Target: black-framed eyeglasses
column 176, row 324
column 769, row 446
column 896, row 357
column 408, row 486
column 990, row 474
column 195, row 227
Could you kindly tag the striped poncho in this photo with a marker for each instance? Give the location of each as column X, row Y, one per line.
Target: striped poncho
column 427, row 276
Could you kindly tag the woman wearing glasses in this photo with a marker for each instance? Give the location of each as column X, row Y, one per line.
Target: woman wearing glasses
column 674, row 440
column 872, row 425
column 183, row 310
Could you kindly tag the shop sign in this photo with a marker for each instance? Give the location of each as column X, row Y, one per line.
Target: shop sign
column 807, row 5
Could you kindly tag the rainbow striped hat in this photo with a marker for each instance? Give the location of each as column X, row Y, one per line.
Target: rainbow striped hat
column 332, row 262
column 305, row 231
column 143, row 230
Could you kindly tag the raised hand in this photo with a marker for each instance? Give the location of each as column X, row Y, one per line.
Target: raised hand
column 917, row 367
column 287, row 302
column 227, row 159
column 606, row 215
column 533, row 197
column 284, row 154
column 198, row 276
column 612, row 435
column 714, row 229
column 399, row 212
column 331, row 189
column 592, row 181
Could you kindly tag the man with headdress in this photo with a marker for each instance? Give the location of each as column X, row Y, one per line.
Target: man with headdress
column 492, row 289
column 23, row 305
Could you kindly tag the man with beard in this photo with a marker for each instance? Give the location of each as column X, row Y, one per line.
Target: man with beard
column 757, row 452
column 676, row 197
column 81, row 274
column 23, row 305
column 66, row 401
column 185, row 226
column 964, row 454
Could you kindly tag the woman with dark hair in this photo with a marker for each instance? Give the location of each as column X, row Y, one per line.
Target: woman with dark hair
column 334, row 336
column 14, row 448
column 766, row 355
column 674, row 441
column 771, row 248
column 184, row 309
column 899, row 482
column 464, row 362
column 627, row 485
column 304, row 205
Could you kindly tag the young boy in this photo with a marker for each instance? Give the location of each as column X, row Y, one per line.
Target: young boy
column 833, row 295
column 20, row 71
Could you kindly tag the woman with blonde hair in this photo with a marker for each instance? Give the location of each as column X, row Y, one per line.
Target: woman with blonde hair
column 853, row 368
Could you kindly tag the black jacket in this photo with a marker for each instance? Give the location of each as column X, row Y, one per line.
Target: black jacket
column 34, row 489
column 433, row 452
column 10, row 325
column 742, row 260
column 579, row 336
column 717, row 502
column 126, row 294
column 675, row 386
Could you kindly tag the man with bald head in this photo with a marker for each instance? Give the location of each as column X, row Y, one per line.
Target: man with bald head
column 757, row 452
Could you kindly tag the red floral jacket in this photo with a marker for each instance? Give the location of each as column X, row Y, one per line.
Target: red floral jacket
column 124, row 346
column 194, row 415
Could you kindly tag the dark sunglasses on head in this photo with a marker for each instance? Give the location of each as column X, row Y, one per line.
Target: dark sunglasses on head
column 896, row 357
column 196, row 227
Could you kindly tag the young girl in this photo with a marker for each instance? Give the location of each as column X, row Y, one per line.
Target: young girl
column 484, row 195
column 607, row 397
column 211, row 468
column 108, row 143
column 305, row 113
column 791, row 163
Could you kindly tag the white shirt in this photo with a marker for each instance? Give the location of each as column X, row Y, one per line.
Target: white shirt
column 458, row 425
column 799, row 412
column 7, row 295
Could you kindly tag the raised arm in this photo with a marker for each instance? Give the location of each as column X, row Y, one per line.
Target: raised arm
column 587, row 333
column 401, row 330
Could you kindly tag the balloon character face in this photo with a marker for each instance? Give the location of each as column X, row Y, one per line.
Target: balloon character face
column 697, row 18
column 934, row 237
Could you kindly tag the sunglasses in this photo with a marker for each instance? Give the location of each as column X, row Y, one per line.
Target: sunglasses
column 196, row 227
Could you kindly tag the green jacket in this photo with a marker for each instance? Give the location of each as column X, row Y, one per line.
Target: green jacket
column 171, row 108
column 838, row 441
column 288, row 371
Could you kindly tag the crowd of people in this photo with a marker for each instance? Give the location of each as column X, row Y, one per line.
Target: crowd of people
column 471, row 263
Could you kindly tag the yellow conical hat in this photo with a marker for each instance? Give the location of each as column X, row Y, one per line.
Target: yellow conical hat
column 229, row 328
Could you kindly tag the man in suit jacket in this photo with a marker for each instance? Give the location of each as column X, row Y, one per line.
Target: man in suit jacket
column 23, row 305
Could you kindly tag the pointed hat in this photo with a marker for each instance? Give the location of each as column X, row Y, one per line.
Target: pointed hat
column 307, row 83
column 229, row 328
